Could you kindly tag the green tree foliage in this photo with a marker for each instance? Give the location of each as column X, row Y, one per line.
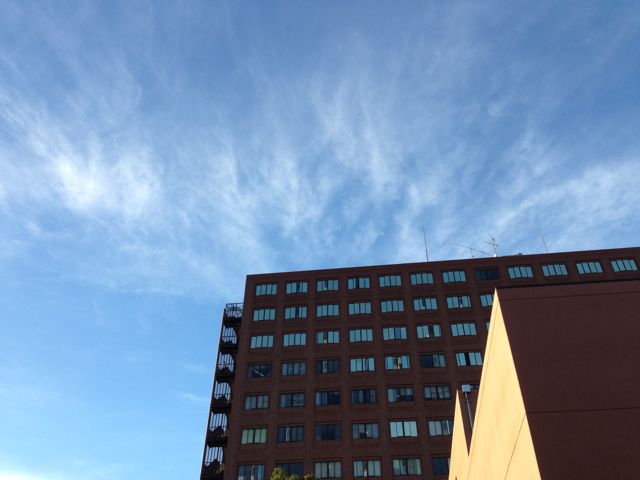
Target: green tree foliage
column 278, row 474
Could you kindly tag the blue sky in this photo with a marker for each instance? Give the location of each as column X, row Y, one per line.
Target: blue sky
column 154, row 153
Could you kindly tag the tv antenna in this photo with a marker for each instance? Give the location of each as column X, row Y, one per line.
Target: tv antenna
column 424, row 236
column 544, row 242
column 494, row 246
column 471, row 249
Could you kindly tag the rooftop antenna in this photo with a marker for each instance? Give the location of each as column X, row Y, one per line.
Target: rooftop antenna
column 471, row 249
column 424, row 236
column 494, row 246
column 544, row 242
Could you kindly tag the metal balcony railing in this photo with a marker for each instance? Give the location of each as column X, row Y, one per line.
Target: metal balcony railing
column 213, row 463
column 228, row 339
column 232, row 314
column 226, row 366
column 221, row 400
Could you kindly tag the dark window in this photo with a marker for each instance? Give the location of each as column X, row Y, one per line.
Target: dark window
column 328, row 397
column 400, row 394
column 292, row 468
column 327, row 336
column 440, row 465
column 251, row 472
column 331, row 469
column 331, row 365
column 328, row 431
column 432, row 360
column 407, row 466
column 363, row 395
column 253, row 402
column 292, row 400
column 437, row 392
column 365, row 430
column 487, row 274
column 259, row 370
column 290, row 369
column 293, row 433
column 367, row 468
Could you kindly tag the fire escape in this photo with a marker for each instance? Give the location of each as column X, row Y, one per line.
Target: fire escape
column 217, row 431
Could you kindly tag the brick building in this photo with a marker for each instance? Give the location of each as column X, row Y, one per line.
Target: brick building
column 559, row 395
column 352, row 372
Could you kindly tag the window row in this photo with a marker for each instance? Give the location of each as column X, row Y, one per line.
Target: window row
column 450, row 276
column 359, row 335
column 358, row 396
column 300, row 312
column 365, row 364
column 364, row 468
column 324, row 432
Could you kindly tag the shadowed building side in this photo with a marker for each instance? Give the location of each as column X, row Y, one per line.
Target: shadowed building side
column 558, row 395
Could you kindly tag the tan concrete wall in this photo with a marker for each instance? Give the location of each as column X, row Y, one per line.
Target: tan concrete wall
column 459, row 452
column 501, row 447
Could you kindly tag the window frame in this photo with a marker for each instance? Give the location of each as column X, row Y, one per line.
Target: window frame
column 301, row 286
column 357, row 282
column 269, row 289
column 425, row 304
column 428, row 327
column 439, row 356
column 360, row 330
column 390, row 280
column 327, row 285
column 518, row 268
column 289, row 398
column 442, row 390
column 589, row 263
column 421, row 278
column 454, row 276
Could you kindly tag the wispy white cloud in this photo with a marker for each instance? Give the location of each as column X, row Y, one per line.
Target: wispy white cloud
column 342, row 163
